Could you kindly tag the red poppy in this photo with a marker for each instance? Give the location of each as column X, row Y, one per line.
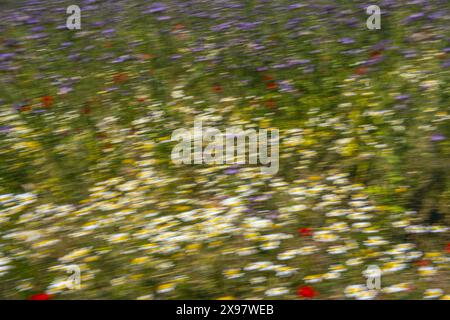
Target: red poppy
column 101, row 136
column 146, row 56
column 217, row 88
column 25, row 108
column 305, row 232
column 447, row 248
column 47, row 101
column 270, row 104
column 306, row 292
column 375, row 55
column 271, row 85
column 86, row 110
column 120, row 77
column 267, row 78
column 40, row 296
column 422, row 263
column 361, row 70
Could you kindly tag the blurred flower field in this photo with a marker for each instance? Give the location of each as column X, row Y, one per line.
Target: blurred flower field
column 86, row 177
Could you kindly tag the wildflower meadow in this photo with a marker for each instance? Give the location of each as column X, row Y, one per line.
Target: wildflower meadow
column 94, row 206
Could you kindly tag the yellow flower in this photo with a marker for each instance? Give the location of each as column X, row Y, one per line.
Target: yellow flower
column 44, row 243
column 137, row 276
column 251, row 236
column 427, row 271
column 90, row 259
column 432, row 293
column 118, row 238
column 430, row 255
column 226, row 298
column 313, row 278
column 182, row 208
column 233, row 273
column 193, row 247
column 167, row 287
column 139, row 260
column 75, row 254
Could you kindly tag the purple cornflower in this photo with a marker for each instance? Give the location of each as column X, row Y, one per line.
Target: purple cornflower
column 437, row 137
column 402, row 97
column 347, row 41
column 231, row 171
column 156, row 7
